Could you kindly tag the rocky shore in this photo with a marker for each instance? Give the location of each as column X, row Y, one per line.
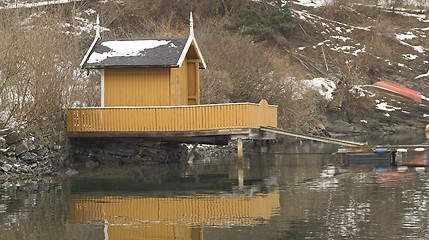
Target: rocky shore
column 30, row 153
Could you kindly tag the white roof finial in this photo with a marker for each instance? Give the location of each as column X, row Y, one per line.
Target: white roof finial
column 191, row 25
column 97, row 27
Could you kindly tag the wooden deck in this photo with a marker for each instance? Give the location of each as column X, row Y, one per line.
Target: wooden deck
column 178, row 123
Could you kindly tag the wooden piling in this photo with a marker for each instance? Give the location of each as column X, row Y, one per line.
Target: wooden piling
column 240, row 168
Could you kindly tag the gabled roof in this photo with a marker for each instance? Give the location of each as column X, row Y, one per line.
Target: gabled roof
column 118, row 53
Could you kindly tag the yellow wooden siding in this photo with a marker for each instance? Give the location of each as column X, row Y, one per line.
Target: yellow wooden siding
column 184, row 83
column 179, row 85
column 175, row 98
column 197, row 82
column 179, row 118
column 136, row 87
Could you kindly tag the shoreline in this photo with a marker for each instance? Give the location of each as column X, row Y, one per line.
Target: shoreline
column 30, row 154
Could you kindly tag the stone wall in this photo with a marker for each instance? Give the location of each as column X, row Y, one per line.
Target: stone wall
column 27, row 154
column 98, row 151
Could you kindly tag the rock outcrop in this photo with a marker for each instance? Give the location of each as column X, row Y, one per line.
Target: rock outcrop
column 93, row 152
column 25, row 154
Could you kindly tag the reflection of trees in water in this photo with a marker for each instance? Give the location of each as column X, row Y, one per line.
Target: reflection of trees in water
column 362, row 206
column 34, row 211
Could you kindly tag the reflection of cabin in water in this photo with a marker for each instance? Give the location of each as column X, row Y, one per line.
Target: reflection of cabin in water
column 184, row 217
column 151, row 89
column 173, row 204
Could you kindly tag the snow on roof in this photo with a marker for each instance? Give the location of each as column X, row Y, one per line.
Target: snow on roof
column 126, row 48
column 140, row 53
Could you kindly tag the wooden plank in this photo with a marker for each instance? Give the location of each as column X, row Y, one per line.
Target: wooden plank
column 310, row 137
column 220, row 139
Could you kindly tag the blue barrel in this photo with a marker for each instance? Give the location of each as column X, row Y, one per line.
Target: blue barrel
column 381, row 150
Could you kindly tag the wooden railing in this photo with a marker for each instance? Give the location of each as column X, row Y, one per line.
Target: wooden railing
column 171, row 118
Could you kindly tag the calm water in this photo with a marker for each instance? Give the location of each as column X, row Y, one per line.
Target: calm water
column 286, row 195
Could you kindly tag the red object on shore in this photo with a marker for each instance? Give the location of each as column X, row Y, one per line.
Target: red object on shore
column 401, row 90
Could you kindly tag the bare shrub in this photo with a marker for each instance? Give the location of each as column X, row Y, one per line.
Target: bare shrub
column 346, row 98
column 381, row 46
column 393, row 4
column 38, row 73
column 147, row 17
column 338, row 10
column 216, row 86
column 243, row 71
column 422, row 4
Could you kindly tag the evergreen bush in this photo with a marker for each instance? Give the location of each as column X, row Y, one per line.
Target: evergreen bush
column 263, row 25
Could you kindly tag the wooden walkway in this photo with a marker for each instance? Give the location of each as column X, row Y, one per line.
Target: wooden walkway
column 312, row 137
column 350, row 144
column 403, row 146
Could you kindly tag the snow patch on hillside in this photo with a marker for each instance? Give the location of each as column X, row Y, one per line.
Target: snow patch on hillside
column 23, row 4
column 386, row 107
column 337, row 34
column 423, row 75
column 324, row 86
column 311, row 3
column 347, row 40
column 405, row 36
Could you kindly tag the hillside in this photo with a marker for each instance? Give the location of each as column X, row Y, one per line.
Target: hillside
column 362, row 45
column 288, row 55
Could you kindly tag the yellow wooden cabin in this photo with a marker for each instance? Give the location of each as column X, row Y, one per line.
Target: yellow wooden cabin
column 151, row 88
column 147, row 72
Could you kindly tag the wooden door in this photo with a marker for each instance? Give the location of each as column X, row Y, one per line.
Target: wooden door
column 193, row 83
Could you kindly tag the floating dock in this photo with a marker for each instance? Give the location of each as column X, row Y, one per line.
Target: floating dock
column 393, row 155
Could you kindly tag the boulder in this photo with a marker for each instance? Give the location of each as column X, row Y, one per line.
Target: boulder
column 41, row 152
column 71, row 172
column 5, row 131
column 427, row 128
column 6, row 168
column 22, row 147
column 13, row 137
column 3, row 143
column 91, row 164
column 29, row 157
